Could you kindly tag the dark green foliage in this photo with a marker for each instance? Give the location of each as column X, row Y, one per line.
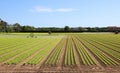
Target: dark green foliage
column 49, row 32
column 5, row 27
column 17, row 27
column 66, row 28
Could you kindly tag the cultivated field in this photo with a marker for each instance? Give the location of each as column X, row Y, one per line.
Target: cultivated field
column 60, row 53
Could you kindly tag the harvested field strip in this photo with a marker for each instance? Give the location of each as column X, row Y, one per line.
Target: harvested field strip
column 55, row 55
column 37, row 58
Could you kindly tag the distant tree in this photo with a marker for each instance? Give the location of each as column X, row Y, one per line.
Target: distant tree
column 81, row 29
column 28, row 28
column 9, row 28
column 103, row 29
column 66, row 28
column 3, row 26
column 95, row 29
column 17, row 27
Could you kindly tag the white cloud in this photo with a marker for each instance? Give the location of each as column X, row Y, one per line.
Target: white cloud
column 42, row 9
column 65, row 10
column 46, row 9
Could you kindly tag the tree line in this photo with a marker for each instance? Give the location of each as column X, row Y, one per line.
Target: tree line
column 5, row 27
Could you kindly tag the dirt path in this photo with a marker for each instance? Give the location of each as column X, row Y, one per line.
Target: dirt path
column 60, row 64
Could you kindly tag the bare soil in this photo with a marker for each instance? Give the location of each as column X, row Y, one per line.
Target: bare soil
column 31, row 69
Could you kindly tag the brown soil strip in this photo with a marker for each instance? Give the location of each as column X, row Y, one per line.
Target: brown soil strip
column 61, row 62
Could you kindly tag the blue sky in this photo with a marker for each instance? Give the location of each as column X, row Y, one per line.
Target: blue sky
column 59, row 13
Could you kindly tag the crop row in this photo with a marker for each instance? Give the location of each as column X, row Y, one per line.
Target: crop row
column 70, row 58
column 7, row 54
column 109, row 44
column 54, row 58
column 13, row 45
column 103, row 57
column 29, row 52
column 109, row 41
column 108, row 48
column 43, row 53
column 84, row 55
